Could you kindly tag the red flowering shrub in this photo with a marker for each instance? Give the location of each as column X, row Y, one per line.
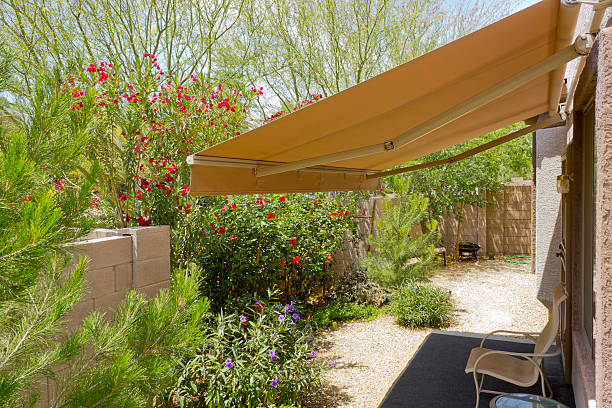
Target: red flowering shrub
column 144, row 126
column 240, row 246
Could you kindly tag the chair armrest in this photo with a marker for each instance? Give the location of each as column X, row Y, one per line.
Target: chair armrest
column 526, row 334
column 526, row 356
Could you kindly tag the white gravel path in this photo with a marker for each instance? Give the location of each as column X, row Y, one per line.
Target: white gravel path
column 368, row 356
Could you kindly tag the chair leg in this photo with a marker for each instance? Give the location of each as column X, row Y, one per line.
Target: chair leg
column 478, row 387
column 547, row 385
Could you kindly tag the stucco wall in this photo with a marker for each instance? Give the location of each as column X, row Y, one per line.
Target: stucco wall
column 549, row 146
column 603, row 220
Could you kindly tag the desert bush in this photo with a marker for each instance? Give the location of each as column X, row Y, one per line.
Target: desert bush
column 399, row 252
column 261, row 355
column 419, row 304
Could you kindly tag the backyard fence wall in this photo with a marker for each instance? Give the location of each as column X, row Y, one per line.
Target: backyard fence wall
column 119, row 260
column 500, row 229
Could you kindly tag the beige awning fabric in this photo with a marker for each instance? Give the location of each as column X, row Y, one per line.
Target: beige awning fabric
column 504, row 73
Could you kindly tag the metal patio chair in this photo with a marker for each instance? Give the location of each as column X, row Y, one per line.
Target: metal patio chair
column 522, row 369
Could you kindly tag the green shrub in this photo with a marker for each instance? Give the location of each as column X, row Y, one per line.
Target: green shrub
column 400, row 252
column 249, row 244
column 343, row 310
column 260, row 356
column 418, row 304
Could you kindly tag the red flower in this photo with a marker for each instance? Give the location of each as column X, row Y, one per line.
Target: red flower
column 142, row 222
column 315, row 202
column 139, row 195
column 185, row 190
column 220, row 230
column 296, row 259
column 257, row 308
column 233, row 206
column 270, row 216
column 282, row 199
column 293, row 241
column 187, row 209
column 329, row 258
column 234, row 237
column 283, row 261
column 334, row 214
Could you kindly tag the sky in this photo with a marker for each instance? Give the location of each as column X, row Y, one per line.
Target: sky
column 521, row 4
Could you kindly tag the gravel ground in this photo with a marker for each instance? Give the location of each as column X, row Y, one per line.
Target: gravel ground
column 368, row 356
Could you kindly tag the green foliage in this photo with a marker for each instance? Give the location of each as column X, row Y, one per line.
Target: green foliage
column 248, row 244
column 135, row 355
column 260, row 356
column 401, row 251
column 418, row 304
column 448, row 186
column 342, row 310
column 119, row 362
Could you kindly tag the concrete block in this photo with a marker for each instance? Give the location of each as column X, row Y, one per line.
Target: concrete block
column 80, row 311
column 123, row 277
column 104, row 252
column 517, row 249
column 518, row 215
column 108, row 304
column 100, row 282
column 152, row 290
column 511, row 241
column 151, row 271
column 517, row 231
column 149, row 242
column 523, row 205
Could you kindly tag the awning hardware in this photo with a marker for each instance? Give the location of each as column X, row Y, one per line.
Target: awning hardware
column 556, row 118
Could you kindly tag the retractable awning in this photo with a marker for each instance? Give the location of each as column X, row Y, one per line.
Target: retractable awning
column 504, row 73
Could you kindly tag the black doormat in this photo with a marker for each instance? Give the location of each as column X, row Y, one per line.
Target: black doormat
column 435, row 376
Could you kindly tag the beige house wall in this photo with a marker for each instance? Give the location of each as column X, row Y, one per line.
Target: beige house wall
column 603, row 220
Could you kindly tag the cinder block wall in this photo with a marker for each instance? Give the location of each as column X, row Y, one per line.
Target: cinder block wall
column 500, row 229
column 121, row 260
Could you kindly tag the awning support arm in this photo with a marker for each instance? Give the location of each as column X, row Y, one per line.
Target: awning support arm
column 556, row 118
column 581, row 46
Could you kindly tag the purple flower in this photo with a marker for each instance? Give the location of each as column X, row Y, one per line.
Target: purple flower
column 295, row 316
column 228, row 363
column 313, row 354
column 274, row 382
column 279, row 306
column 333, row 365
column 287, row 308
column 272, row 355
column 281, row 318
column 308, row 324
column 243, row 319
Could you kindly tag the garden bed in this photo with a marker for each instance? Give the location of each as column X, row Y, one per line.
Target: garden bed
column 368, row 356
